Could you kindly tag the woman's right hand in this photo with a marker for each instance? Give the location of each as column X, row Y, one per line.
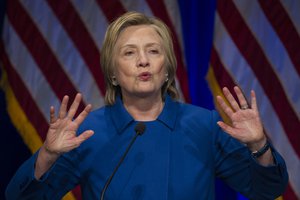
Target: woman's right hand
column 61, row 136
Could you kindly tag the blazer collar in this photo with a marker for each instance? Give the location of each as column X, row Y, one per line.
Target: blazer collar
column 121, row 118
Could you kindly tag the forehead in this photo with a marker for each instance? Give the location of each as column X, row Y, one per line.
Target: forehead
column 138, row 35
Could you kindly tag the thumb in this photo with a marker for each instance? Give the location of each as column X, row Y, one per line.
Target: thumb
column 84, row 136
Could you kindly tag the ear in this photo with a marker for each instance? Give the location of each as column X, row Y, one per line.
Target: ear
column 114, row 81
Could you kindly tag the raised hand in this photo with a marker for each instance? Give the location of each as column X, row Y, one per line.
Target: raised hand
column 246, row 124
column 61, row 136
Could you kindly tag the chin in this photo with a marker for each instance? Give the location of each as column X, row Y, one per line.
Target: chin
column 147, row 93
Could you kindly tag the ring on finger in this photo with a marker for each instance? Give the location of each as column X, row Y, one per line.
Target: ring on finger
column 244, row 107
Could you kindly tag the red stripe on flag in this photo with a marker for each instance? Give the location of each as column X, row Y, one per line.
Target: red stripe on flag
column 222, row 76
column 158, row 8
column 77, row 192
column 107, row 6
column 289, row 194
column 23, row 96
column 40, row 51
column 76, row 29
column 285, row 29
column 254, row 55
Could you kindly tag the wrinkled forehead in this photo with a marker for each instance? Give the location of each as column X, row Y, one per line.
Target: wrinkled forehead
column 138, row 35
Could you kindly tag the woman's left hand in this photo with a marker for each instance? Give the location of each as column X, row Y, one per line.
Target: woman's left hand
column 246, row 124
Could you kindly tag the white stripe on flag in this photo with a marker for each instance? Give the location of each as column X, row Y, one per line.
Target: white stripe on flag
column 139, row 5
column 175, row 17
column 292, row 8
column 65, row 51
column 273, row 49
column 93, row 18
column 28, row 71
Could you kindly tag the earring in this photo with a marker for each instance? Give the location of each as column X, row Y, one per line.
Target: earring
column 167, row 78
column 114, row 81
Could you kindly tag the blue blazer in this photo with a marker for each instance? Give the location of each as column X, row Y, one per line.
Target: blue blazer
column 178, row 157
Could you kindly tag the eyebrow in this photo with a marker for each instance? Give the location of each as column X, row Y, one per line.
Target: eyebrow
column 147, row 45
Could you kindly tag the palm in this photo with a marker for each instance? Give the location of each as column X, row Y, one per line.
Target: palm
column 245, row 125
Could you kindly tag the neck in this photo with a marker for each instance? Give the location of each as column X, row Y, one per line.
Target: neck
column 144, row 109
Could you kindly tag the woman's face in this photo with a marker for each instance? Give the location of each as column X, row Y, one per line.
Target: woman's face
column 139, row 62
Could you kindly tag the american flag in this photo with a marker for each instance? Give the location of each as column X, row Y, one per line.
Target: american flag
column 50, row 48
column 256, row 45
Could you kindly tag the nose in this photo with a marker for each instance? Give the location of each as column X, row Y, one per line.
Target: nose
column 142, row 60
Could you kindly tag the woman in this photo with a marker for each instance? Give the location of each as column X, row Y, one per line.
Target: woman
column 183, row 147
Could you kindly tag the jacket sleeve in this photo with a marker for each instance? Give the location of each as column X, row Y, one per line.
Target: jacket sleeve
column 54, row 184
column 235, row 165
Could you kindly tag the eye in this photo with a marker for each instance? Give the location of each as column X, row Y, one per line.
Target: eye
column 128, row 53
column 153, row 51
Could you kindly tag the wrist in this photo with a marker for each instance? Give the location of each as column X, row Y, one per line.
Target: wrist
column 255, row 146
column 262, row 150
column 49, row 155
column 44, row 161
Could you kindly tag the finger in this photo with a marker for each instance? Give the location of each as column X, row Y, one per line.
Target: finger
column 242, row 100
column 253, row 100
column 63, row 107
column 230, row 99
column 83, row 136
column 228, row 129
column 227, row 110
column 74, row 106
column 83, row 114
column 52, row 115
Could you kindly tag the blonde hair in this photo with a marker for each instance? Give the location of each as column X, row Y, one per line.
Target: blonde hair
column 114, row 30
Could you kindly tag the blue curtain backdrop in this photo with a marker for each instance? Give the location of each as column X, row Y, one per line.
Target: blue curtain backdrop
column 197, row 25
